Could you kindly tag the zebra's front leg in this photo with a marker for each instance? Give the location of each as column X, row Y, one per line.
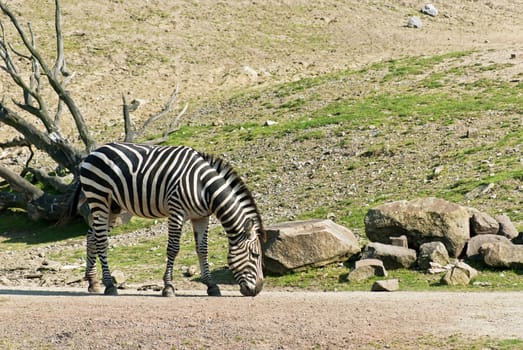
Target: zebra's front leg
column 90, row 269
column 200, row 228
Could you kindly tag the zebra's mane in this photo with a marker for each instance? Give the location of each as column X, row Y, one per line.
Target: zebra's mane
column 231, row 176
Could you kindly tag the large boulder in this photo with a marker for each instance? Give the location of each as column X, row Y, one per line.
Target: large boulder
column 421, row 220
column 296, row 245
column 475, row 243
column 393, row 257
column 502, row 254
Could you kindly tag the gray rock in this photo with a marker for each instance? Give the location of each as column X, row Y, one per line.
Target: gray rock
column 432, row 252
column 475, row 243
column 414, row 22
column 469, row 270
column 456, row 277
column 118, row 277
column 376, row 264
column 390, row 285
column 393, row 257
column 421, row 220
column 296, row 245
column 189, row 271
column 483, row 224
column 502, row 254
column 361, row 273
column 400, row 241
column 506, row 227
column 367, row 268
column 430, row 10
column 48, row 265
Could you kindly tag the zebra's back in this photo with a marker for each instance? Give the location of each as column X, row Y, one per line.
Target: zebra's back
column 137, row 178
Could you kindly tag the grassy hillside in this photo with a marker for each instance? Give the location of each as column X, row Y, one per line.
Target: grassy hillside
column 440, row 126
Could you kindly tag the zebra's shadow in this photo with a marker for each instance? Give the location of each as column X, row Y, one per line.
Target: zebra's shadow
column 56, row 292
column 221, row 275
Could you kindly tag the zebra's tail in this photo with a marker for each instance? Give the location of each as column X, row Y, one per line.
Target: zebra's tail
column 72, row 204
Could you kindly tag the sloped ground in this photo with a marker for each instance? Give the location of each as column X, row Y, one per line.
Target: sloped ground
column 143, row 49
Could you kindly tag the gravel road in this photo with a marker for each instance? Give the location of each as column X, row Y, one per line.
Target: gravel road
column 71, row 319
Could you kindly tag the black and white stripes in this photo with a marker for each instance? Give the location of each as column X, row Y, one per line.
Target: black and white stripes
column 178, row 183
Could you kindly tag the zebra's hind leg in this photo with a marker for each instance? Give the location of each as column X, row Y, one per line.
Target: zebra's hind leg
column 100, row 228
column 200, row 228
column 90, row 270
column 173, row 247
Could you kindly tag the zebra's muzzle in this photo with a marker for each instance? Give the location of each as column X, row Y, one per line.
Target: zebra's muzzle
column 251, row 290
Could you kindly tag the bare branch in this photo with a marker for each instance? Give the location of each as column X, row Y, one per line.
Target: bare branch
column 59, row 65
column 16, row 142
column 165, row 110
column 50, row 181
column 54, row 82
column 131, row 134
column 51, row 143
column 19, row 184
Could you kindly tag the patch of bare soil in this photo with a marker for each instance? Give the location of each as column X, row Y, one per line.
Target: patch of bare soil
column 143, row 49
column 68, row 319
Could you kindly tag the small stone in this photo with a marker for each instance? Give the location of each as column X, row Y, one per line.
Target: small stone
column 469, row 270
column 250, row 72
column 481, row 284
column 218, row 122
column 437, row 170
column 455, row 277
column 436, row 268
column 390, row 285
column 414, row 22
column 48, row 265
column 270, row 123
column 189, row 271
column 118, row 277
column 400, row 241
column 430, row 10
column 377, row 265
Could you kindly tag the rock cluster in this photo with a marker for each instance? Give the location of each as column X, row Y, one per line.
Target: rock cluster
column 429, row 234
column 441, row 236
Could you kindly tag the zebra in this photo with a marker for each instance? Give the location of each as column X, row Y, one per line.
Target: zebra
column 181, row 184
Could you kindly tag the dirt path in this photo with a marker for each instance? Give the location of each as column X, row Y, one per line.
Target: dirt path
column 68, row 318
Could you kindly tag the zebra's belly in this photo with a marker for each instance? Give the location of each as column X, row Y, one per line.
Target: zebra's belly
column 145, row 210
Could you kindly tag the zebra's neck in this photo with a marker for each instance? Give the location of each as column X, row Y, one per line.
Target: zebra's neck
column 229, row 198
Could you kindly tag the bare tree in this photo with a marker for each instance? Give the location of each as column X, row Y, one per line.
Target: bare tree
column 38, row 124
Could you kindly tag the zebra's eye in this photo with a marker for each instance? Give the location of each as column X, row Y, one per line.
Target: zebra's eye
column 255, row 254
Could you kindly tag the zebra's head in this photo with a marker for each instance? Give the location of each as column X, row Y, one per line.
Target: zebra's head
column 245, row 259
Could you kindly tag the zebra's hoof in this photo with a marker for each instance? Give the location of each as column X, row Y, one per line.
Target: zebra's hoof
column 111, row 290
column 168, row 291
column 214, row 291
column 94, row 288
